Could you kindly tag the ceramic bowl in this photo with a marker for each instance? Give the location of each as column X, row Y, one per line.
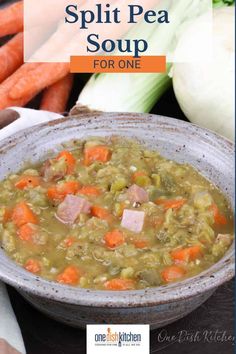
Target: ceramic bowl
column 211, row 154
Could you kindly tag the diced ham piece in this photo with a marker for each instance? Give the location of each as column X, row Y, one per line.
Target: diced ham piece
column 133, row 220
column 137, row 194
column 71, row 207
column 225, row 238
column 50, row 174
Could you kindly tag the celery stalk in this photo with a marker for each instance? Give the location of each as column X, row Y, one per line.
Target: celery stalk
column 220, row 3
column 123, row 92
column 136, row 92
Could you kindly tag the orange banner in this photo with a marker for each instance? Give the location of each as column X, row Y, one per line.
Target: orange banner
column 117, row 64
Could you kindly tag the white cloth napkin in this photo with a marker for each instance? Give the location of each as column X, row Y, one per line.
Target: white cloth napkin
column 28, row 118
column 11, row 341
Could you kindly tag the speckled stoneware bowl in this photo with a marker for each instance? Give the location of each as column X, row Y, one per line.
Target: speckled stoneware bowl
column 212, row 155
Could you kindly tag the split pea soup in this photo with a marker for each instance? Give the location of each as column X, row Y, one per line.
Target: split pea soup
column 110, row 214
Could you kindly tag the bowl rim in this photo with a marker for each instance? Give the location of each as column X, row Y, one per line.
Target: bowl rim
column 211, row 278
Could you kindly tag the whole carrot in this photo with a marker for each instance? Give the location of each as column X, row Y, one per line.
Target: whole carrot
column 6, row 85
column 43, row 75
column 11, row 56
column 11, row 19
column 56, row 96
column 6, row 101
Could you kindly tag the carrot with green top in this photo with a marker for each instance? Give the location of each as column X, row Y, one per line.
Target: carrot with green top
column 100, row 153
column 69, row 159
column 33, row 266
column 119, row 284
column 172, row 273
column 56, row 96
column 219, row 218
column 61, row 190
column 90, row 191
column 114, row 239
column 26, row 181
column 70, row 276
column 22, row 214
column 11, row 19
column 171, row 203
column 11, row 56
column 187, row 254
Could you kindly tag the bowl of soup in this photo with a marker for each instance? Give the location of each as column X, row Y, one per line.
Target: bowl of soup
column 116, row 218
